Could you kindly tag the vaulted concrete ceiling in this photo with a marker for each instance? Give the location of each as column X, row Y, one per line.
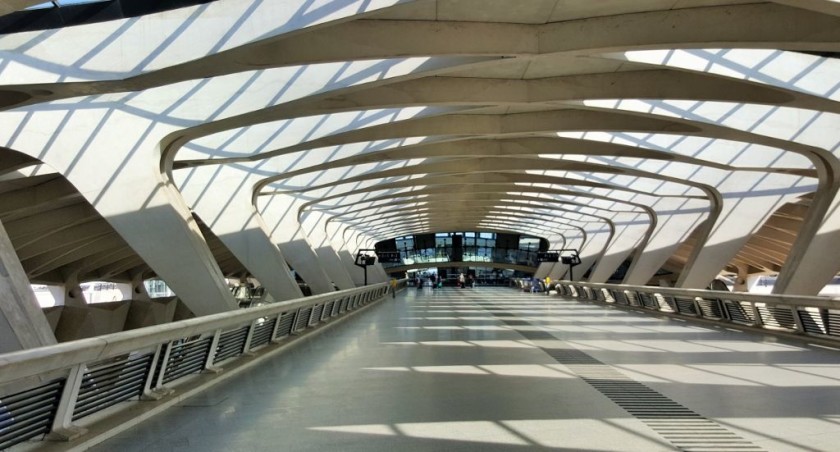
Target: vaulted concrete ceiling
column 699, row 135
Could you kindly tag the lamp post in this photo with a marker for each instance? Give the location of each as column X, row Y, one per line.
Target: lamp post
column 572, row 260
column 365, row 260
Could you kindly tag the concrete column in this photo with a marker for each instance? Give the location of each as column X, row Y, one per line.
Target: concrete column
column 280, row 213
column 629, row 235
column 664, row 241
column 304, row 260
column 113, row 159
column 355, row 272
column 728, row 236
column 138, row 288
column 73, row 294
column 741, row 279
column 331, row 262
column 543, row 270
column 812, row 262
column 222, row 196
column 22, row 323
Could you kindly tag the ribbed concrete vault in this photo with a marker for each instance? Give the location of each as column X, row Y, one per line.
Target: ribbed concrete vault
column 700, row 136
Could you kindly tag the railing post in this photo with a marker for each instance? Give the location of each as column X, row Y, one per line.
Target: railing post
column 62, row 426
column 697, row 308
column 148, row 392
column 724, row 313
column 293, row 329
column 276, row 328
column 757, row 320
column 311, row 315
column 211, row 353
column 159, row 383
column 246, row 348
column 800, row 328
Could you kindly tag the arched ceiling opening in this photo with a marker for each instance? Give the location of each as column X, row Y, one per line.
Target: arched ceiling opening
column 699, row 135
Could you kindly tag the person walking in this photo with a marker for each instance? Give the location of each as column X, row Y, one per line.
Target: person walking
column 462, row 280
column 393, row 287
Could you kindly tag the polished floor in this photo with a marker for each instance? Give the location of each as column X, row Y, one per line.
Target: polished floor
column 495, row 370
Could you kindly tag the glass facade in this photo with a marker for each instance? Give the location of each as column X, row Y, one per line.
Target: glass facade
column 486, row 247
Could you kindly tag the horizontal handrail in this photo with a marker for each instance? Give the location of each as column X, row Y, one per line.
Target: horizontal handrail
column 798, row 314
column 37, row 361
column 772, row 299
column 799, row 300
column 99, row 372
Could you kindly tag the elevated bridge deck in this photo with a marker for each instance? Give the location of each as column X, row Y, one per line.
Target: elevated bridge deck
column 495, row 369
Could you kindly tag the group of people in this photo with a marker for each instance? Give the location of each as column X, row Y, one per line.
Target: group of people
column 535, row 285
column 465, row 281
column 433, row 279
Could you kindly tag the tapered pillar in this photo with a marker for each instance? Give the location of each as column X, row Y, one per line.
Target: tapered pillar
column 22, row 323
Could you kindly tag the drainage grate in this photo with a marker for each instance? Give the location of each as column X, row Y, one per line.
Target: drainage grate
column 682, row 427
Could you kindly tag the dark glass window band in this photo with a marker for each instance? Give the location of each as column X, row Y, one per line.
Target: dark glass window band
column 87, row 13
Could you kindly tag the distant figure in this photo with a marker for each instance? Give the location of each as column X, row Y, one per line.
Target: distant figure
column 433, row 280
column 472, row 281
column 547, row 284
column 462, row 280
column 393, row 287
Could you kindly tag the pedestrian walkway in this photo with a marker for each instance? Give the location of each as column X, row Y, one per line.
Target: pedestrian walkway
column 493, row 369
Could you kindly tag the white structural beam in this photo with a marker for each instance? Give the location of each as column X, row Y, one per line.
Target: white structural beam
column 22, row 324
column 698, row 136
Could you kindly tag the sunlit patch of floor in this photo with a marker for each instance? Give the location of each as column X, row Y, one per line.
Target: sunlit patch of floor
column 505, row 370
column 470, row 431
column 474, row 343
column 569, row 434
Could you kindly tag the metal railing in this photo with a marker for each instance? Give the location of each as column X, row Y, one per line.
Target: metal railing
column 816, row 317
column 43, row 391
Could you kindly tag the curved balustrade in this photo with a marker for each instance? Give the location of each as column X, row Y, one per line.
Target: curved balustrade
column 812, row 316
column 44, row 390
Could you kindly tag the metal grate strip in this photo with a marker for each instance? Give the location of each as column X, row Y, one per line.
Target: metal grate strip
column 231, row 343
column 739, row 312
column 682, row 427
column 262, row 333
column 315, row 316
column 112, row 383
column 685, row 306
column 27, row 414
column 833, row 322
column 777, row 316
column 813, row 321
column 302, row 319
column 710, row 308
column 285, row 327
